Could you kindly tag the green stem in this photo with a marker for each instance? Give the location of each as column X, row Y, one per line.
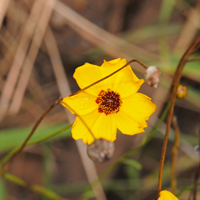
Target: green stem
column 36, row 188
column 16, row 149
column 186, row 189
column 7, row 165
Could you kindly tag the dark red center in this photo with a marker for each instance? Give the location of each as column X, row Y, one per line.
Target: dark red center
column 109, row 102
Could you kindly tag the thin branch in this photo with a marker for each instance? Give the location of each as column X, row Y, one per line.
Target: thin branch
column 34, row 187
column 172, row 98
column 193, row 60
column 7, row 165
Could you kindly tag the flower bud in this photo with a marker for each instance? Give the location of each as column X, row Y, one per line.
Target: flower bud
column 181, row 91
column 152, row 76
column 100, row 150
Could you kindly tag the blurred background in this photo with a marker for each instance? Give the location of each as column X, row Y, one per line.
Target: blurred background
column 41, row 44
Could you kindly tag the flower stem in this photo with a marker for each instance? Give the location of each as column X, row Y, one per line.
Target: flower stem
column 192, row 60
column 36, row 188
column 11, row 153
column 173, row 90
column 7, row 165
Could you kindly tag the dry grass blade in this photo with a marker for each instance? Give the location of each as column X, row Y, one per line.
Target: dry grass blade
column 29, row 61
column 190, row 29
column 65, row 91
column 3, row 8
column 111, row 44
column 19, row 57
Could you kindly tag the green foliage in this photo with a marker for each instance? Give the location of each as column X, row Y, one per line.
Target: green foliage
column 13, row 137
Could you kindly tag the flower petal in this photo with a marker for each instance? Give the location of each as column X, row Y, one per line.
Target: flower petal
column 127, row 87
column 139, row 107
column 102, row 126
column 82, row 103
column 126, row 124
column 125, row 82
column 108, row 68
column 166, row 195
column 86, row 75
column 134, row 111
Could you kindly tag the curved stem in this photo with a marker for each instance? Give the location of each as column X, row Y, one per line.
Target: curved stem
column 12, row 152
column 173, row 90
column 34, row 187
column 7, row 165
column 192, row 60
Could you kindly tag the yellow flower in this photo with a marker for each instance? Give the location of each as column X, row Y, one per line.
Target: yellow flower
column 109, row 105
column 166, row 195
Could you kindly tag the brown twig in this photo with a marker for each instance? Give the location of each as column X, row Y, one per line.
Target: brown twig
column 7, row 165
column 174, row 154
column 172, row 98
column 192, row 60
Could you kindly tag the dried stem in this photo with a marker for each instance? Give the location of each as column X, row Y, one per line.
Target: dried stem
column 174, row 154
column 192, row 60
column 172, row 98
column 7, row 165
